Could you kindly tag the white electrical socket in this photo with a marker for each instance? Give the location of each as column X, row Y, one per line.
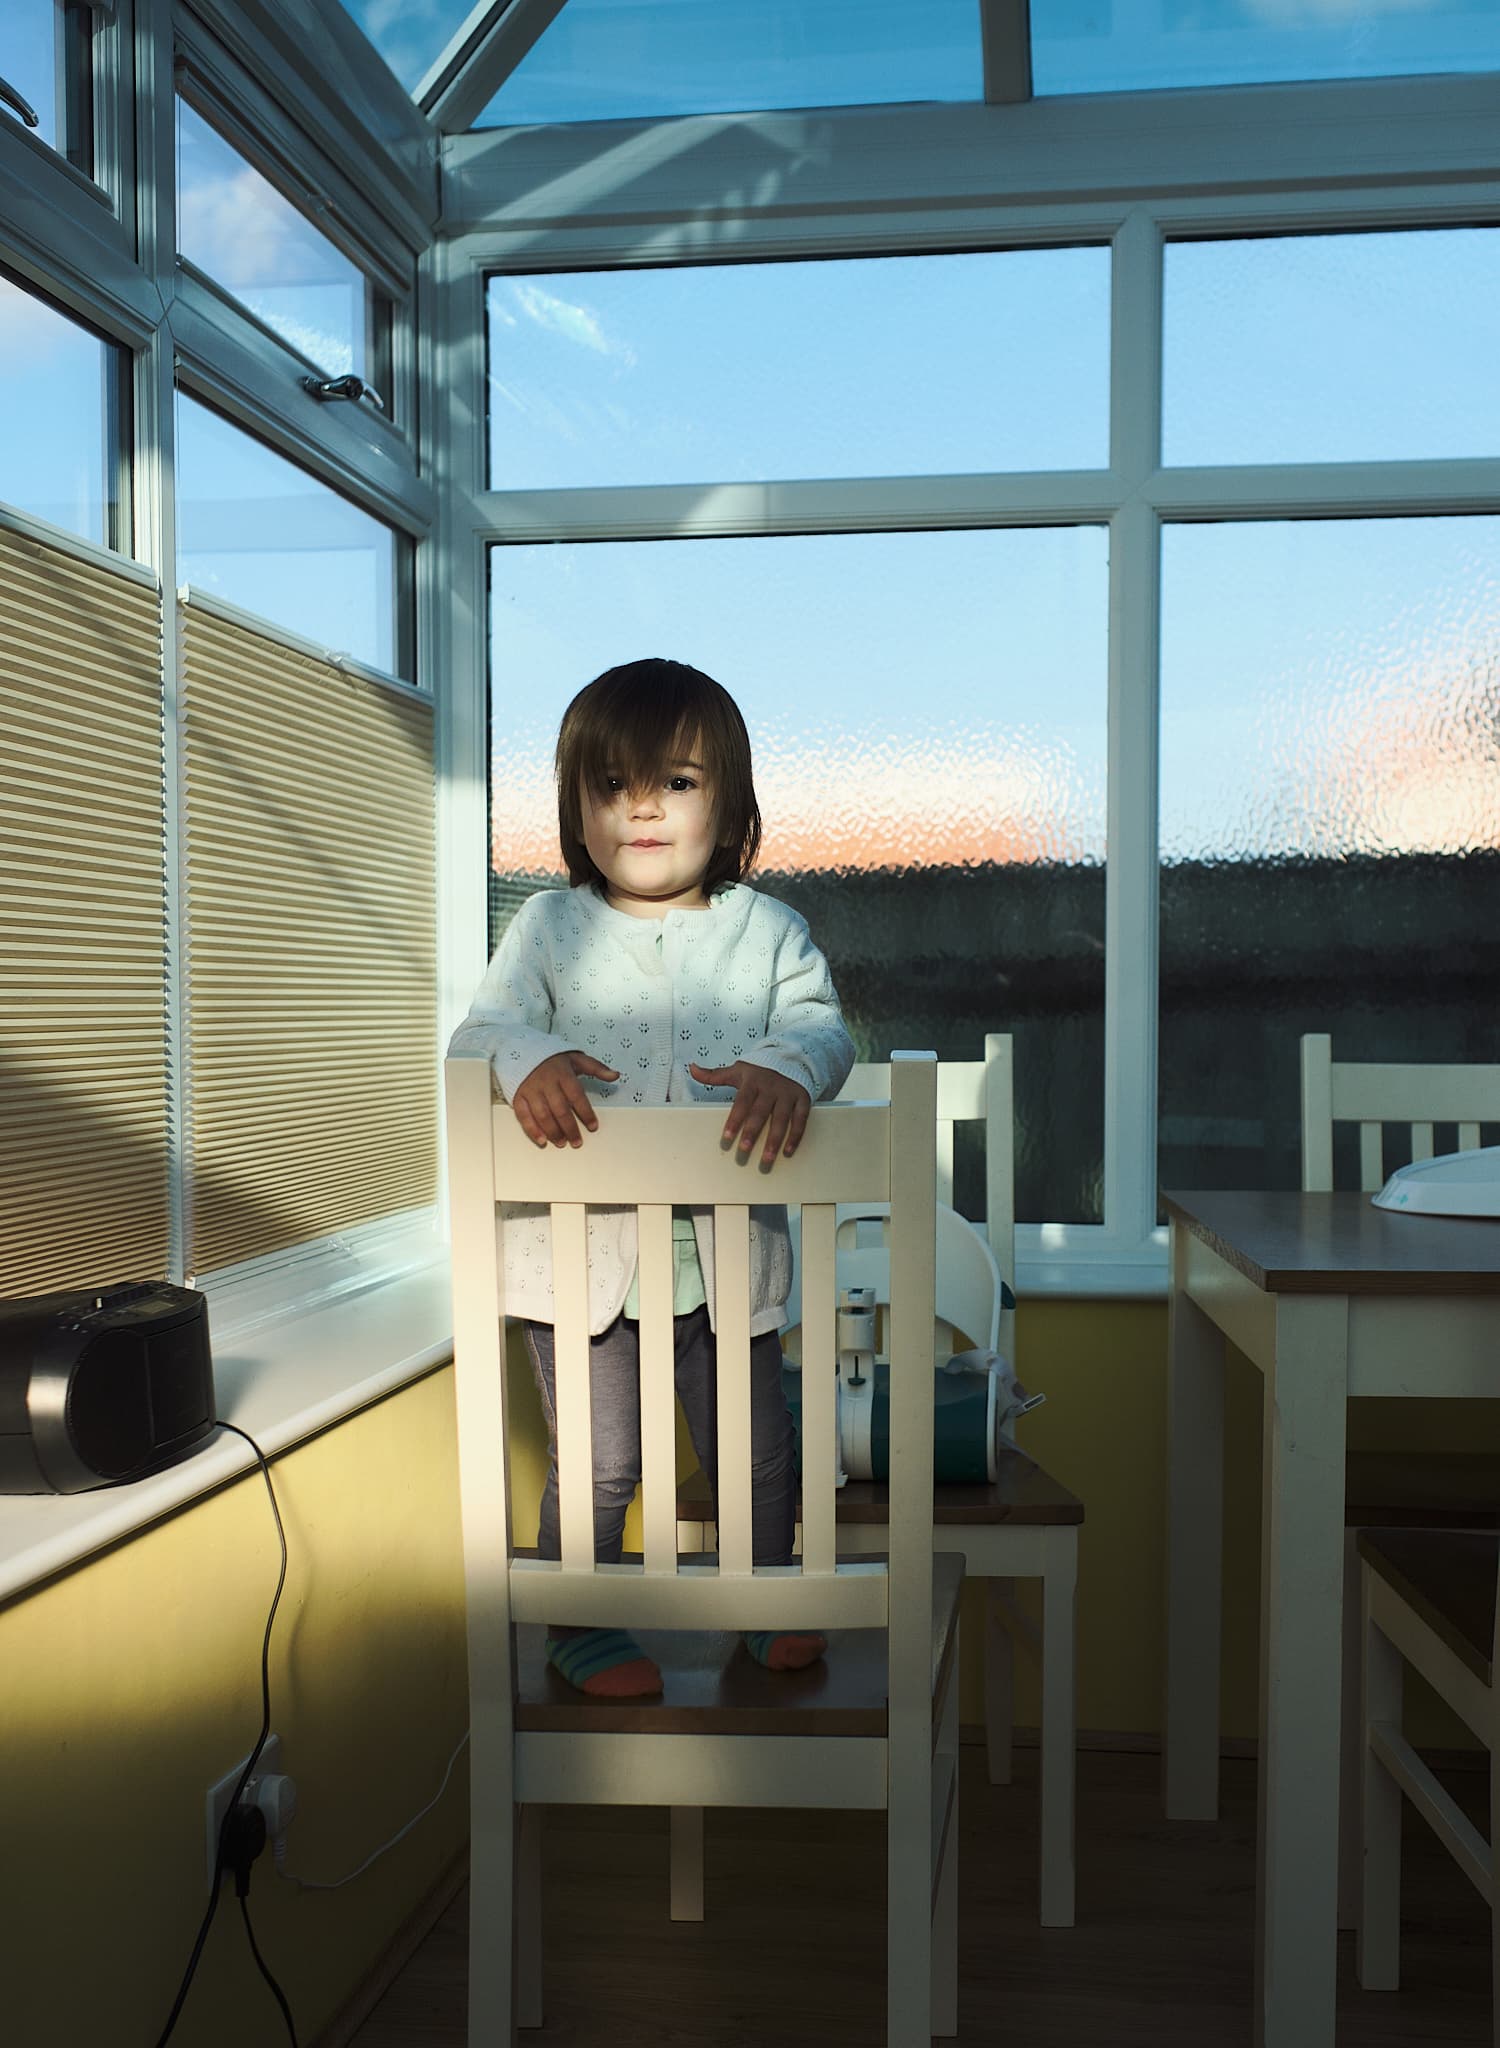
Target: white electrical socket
column 217, row 1804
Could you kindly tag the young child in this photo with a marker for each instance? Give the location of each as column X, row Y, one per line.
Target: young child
column 658, row 976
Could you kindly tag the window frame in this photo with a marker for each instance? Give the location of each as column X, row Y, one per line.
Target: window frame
column 1144, row 189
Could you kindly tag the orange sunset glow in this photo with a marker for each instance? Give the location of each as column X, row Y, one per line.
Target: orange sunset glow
column 957, row 804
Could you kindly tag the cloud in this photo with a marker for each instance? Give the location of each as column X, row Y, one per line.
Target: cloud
column 1333, row 13
column 570, row 322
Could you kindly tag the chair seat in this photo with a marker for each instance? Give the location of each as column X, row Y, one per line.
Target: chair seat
column 1022, row 1493
column 713, row 1686
column 1429, row 1489
column 1447, row 1577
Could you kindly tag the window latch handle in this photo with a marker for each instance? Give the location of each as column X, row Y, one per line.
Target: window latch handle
column 324, row 388
column 23, row 107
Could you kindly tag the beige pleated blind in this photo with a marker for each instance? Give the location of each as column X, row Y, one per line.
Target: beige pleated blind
column 83, row 1042
column 311, row 965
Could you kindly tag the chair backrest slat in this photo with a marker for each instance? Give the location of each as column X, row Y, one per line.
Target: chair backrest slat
column 648, row 1160
column 1374, row 1093
column 1371, row 1157
column 575, row 1457
column 732, row 1339
column 819, row 1387
column 658, row 1389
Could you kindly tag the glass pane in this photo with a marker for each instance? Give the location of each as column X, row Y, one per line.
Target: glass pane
column 603, row 59
column 1090, row 46
column 1333, row 348
column 257, row 530
column 746, row 372
column 238, row 229
column 410, row 34
column 1330, row 819
column 928, row 717
column 29, row 56
column 61, row 383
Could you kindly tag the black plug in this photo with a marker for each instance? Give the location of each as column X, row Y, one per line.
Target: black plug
column 244, row 1839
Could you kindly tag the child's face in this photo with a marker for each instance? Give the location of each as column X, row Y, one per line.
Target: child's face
column 653, row 845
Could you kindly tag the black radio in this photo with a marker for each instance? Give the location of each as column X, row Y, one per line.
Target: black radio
column 102, row 1385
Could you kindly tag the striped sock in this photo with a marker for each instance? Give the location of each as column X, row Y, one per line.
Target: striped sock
column 605, row 1663
column 783, row 1652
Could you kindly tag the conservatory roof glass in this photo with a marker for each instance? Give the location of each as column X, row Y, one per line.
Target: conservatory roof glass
column 604, row 59
column 410, row 34
column 548, row 61
column 1094, row 46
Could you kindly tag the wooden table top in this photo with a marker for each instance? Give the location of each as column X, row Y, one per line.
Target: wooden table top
column 1292, row 1243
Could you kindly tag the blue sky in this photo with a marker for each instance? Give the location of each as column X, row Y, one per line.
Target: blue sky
column 26, row 59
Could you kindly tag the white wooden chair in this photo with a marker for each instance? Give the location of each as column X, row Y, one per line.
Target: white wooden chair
column 1025, row 1525
column 725, row 1731
column 1428, row 1600
column 1432, row 1489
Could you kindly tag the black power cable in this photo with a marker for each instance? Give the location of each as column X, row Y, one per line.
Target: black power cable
column 240, row 1860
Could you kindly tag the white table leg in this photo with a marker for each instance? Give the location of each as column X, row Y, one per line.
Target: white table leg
column 999, row 1678
column 1195, row 1540
column 1302, row 1585
column 1059, row 1764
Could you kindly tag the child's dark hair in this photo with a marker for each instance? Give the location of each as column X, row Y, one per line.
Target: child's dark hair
column 635, row 722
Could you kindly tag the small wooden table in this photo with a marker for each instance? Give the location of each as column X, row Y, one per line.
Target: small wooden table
column 1330, row 1297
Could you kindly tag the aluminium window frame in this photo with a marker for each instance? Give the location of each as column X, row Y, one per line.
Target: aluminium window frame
column 1134, row 171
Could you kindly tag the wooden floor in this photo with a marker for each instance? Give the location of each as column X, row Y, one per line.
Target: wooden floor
column 792, row 1950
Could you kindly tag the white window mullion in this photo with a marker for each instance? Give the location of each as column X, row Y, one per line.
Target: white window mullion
column 1130, row 919
column 453, row 397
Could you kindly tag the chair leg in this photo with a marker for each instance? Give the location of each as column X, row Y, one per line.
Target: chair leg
column 908, row 1892
column 1059, row 1739
column 946, row 1762
column 529, row 1916
column 686, row 1859
column 1351, row 1742
column 1377, row 1949
column 999, row 1679
column 492, row 1930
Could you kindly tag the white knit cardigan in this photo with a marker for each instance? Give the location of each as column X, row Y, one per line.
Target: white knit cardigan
column 740, row 980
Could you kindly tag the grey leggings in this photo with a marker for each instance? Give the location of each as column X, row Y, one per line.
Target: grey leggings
column 615, row 1394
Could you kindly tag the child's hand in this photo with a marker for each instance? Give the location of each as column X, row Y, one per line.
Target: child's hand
column 762, row 1100
column 551, row 1097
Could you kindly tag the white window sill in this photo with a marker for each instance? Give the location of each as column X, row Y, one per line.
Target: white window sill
column 282, row 1378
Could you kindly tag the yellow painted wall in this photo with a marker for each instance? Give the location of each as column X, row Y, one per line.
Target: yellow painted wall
column 131, row 1684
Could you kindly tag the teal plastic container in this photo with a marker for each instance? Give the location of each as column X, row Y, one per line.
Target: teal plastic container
column 960, row 1418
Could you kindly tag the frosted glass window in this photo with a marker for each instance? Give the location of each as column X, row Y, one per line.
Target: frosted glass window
column 1333, row 348
column 258, row 531
column 927, row 712
column 1089, row 46
column 235, row 227
column 1330, row 818
column 61, row 452
column 604, row 59
column 881, row 366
